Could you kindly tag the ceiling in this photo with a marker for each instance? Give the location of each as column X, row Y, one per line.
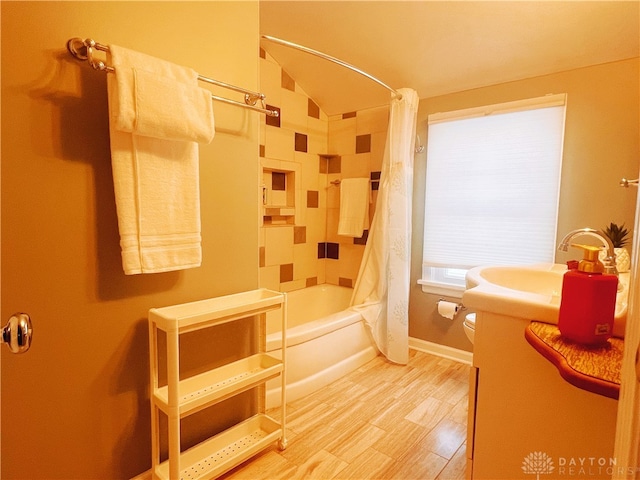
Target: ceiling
column 439, row 47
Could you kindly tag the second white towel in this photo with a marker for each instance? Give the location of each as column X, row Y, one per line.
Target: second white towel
column 354, row 207
column 156, row 169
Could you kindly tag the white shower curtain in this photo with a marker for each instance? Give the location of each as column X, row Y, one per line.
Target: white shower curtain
column 381, row 292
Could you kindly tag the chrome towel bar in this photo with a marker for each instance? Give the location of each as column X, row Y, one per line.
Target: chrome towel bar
column 627, row 183
column 84, row 50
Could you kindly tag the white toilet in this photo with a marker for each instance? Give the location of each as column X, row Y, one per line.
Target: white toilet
column 469, row 325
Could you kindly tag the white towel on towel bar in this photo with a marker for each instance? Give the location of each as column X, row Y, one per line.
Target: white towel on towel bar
column 156, row 181
column 160, row 107
column 354, row 207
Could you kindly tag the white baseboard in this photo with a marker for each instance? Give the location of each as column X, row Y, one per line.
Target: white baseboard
column 444, row 351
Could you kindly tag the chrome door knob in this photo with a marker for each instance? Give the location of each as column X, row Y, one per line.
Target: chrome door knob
column 18, row 333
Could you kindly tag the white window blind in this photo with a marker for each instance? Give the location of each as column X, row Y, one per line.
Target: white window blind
column 492, row 186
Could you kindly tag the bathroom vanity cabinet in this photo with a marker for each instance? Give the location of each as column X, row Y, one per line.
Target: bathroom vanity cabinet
column 525, row 420
column 181, row 397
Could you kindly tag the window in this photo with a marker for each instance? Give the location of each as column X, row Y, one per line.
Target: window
column 492, row 188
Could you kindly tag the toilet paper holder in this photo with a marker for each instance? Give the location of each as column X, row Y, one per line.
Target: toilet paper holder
column 449, row 309
column 459, row 306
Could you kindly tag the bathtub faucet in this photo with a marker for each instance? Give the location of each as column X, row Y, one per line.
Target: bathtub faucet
column 609, row 262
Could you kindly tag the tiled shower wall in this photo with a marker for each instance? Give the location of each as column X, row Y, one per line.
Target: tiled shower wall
column 301, row 153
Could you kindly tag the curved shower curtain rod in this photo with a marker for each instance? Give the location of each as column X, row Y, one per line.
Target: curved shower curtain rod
column 286, row 43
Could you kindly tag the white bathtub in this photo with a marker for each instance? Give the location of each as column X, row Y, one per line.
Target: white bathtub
column 325, row 340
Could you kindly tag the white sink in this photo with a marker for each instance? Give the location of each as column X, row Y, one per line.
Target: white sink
column 531, row 292
column 547, row 282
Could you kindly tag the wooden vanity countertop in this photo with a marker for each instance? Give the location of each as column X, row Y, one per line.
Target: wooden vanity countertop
column 595, row 369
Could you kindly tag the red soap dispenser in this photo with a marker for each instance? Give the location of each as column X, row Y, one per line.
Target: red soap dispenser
column 588, row 302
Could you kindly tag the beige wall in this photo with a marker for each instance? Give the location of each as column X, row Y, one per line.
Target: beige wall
column 601, row 146
column 77, row 404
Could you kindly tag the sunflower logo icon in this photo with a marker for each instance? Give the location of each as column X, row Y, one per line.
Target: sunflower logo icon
column 537, row 463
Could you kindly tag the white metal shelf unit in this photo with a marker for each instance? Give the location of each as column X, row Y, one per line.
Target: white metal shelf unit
column 182, row 397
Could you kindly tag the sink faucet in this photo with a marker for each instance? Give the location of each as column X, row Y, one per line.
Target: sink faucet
column 609, row 262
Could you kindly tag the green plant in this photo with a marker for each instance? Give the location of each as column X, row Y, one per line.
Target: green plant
column 617, row 234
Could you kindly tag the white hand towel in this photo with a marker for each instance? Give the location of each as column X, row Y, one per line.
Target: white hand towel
column 354, row 207
column 156, row 181
column 165, row 108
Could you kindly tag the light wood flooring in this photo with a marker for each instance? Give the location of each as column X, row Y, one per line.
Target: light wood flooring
column 382, row 421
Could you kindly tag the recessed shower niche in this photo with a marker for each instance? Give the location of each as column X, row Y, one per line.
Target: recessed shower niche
column 280, row 192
